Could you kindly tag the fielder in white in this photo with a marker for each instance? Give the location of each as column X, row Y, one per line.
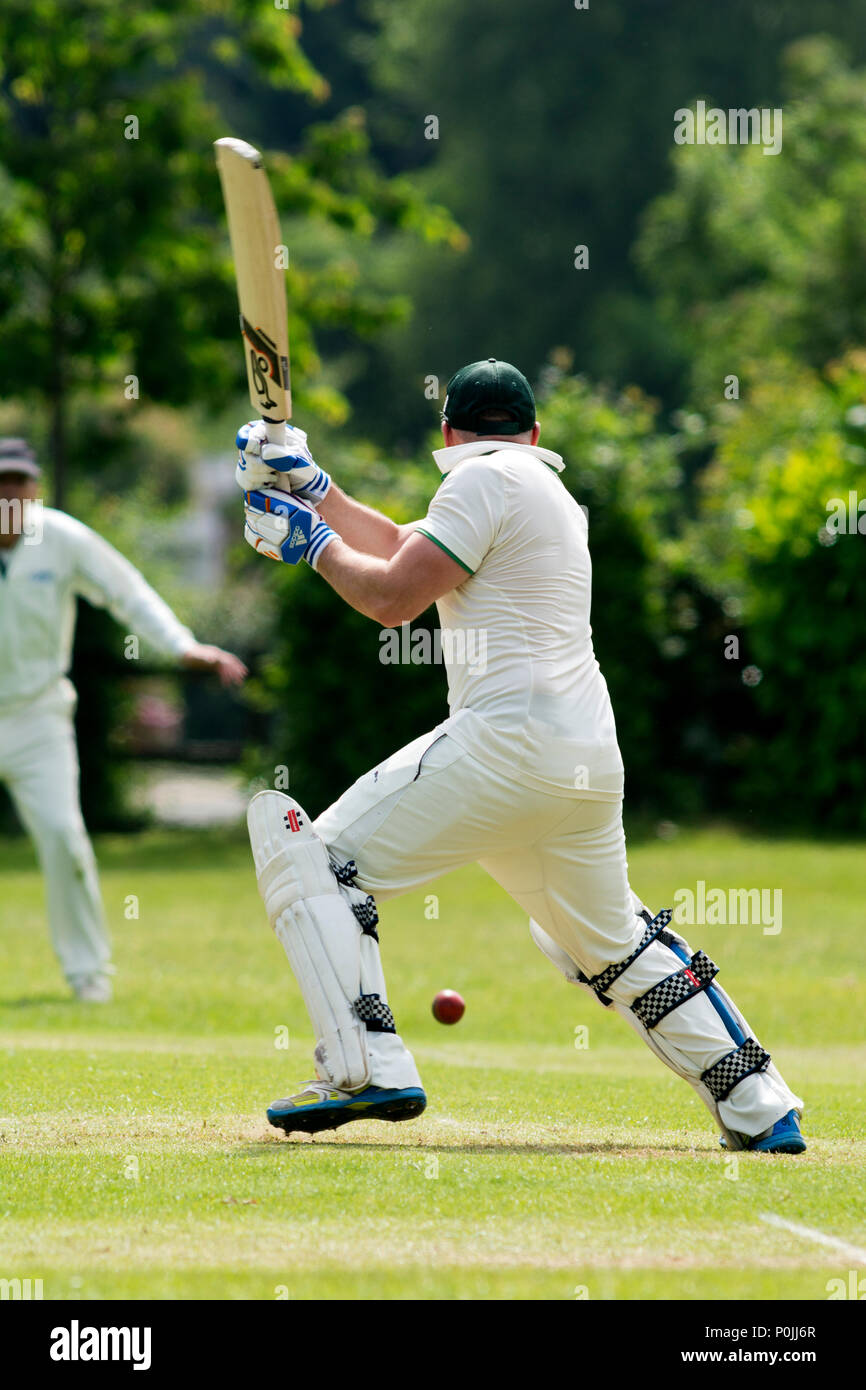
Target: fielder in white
column 46, row 559
column 524, row 776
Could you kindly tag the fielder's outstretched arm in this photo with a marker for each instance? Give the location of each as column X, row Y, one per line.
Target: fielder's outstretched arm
column 391, row 591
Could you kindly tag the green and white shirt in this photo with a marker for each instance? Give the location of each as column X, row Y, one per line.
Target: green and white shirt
column 525, row 692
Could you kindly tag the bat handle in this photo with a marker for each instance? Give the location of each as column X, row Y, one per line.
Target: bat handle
column 276, row 431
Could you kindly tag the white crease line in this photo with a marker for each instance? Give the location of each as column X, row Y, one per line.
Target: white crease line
column 820, row 1238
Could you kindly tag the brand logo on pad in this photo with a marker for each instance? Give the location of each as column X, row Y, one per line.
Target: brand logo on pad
column 293, row 820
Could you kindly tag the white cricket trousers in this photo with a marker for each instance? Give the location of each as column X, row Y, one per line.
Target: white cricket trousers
column 39, row 765
column 432, row 808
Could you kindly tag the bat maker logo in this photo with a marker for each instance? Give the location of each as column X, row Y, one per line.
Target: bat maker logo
column 265, row 362
column 293, row 820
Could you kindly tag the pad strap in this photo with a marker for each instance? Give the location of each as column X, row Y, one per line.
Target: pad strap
column 602, row 982
column 721, row 1078
column 363, row 905
column 669, row 993
column 373, row 1011
column 367, row 916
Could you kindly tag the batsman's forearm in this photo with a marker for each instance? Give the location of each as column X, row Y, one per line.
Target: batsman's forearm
column 364, row 581
column 363, row 528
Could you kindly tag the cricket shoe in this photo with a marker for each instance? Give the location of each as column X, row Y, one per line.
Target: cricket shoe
column 323, row 1106
column 783, row 1137
column 93, row 989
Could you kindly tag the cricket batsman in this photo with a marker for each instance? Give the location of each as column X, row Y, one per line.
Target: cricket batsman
column 524, row 776
column 47, row 558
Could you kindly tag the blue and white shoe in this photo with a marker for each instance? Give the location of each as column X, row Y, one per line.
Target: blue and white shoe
column 323, row 1106
column 783, row 1137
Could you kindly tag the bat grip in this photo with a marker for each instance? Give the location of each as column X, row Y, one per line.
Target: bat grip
column 276, row 431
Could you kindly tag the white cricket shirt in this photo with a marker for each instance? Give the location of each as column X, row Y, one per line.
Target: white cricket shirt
column 37, row 603
column 525, row 691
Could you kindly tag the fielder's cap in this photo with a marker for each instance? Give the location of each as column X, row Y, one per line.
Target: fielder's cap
column 16, row 456
column 482, row 387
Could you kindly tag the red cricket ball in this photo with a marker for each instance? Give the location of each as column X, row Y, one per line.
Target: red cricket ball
column 448, row 1006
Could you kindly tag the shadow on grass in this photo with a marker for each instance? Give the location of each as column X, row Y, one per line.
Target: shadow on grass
column 553, row 1149
column 160, row 850
column 37, row 1001
column 649, row 828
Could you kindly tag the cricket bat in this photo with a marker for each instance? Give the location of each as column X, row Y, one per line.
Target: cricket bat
column 254, row 233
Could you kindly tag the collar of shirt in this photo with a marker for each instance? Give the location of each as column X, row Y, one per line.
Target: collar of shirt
column 449, row 458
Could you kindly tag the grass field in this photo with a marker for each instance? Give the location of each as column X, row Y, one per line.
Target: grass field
column 136, row 1160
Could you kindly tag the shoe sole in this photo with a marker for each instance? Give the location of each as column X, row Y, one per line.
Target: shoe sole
column 794, row 1145
column 314, row 1121
column 791, row 1142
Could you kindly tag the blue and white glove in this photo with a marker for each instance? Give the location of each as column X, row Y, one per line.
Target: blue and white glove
column 290, row 467
column 285, row 527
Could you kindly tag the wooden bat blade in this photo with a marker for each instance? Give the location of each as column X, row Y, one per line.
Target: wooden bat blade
column 254, row 233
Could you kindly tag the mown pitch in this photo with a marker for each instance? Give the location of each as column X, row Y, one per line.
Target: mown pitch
column 136, row 1162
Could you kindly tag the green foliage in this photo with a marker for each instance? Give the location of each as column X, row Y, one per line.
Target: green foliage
column 555, row 129
column 765, row 543
column 703, row 524
column 115, row 253
column 103, row 702
column 755, row 256
column 759, row 263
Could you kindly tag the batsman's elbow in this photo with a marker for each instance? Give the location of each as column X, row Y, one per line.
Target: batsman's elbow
column 391, row 614
column 403, row 599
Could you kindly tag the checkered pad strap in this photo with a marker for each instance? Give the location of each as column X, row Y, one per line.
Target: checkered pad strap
column 367, row 916
column 669, row 993
column 363, row 906
column 602, row 983
column 721, row 1078
column 345, row 873
column 371, row 1009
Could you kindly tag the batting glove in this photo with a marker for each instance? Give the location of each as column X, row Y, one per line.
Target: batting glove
column 285, row 527
column 290, row 466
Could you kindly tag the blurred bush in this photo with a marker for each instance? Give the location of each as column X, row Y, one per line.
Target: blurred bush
column 790, row 463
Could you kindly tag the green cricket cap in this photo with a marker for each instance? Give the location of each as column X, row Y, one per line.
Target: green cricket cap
column 481, row 387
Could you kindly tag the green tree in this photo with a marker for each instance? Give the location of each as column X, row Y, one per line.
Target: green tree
column 759, row 263
column 555, row 129
column 115, row 277
column 754, row 256
column 778, row 539
column 115, row 263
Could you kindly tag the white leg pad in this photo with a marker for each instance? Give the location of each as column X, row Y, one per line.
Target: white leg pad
column 684, row 1067
column 755, row 1102
column 318, row 931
